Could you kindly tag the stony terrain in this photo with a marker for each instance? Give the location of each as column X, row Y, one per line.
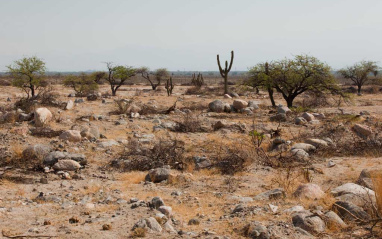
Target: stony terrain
column 210, row 167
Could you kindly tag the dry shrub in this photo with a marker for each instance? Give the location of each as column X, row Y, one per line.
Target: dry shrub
column 27, row 105
column 138, row 232
column 289, row 178
column 20, row 160
column 195, row 106
column 123, row 106
column 348, row 143
column 133, row 177
column 190, row 122
column 136, row 157
column 232, row 159
column 5, row 82
column 195, row 90
column 45, row 132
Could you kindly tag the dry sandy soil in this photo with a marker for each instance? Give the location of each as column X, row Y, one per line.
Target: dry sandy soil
column 95, row 202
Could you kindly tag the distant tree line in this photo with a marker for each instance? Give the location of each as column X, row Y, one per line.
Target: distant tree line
column 289, row 77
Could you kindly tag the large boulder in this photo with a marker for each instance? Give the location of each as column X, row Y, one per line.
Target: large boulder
column 304, row 146
column 309, row 222
column 159, row 174
column 300, row 121
column 350, row 212
column 307, row 116
column 300, row 154
column 55, row 156
column 281, row 117
column 66, row 165
column 367, row 176
column 239, row 104
column 309, row 191
column 363, row 130
column 219, row 106
column 352, row 188
column 283, row 110
column 333, row 221
column 318, row 143
column 71, row 136
column 38, row 151
column 42, row 116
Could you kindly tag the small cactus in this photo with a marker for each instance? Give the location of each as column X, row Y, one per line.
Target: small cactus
column 197, row 81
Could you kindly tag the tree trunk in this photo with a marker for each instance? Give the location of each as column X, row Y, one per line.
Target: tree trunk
column 226, row 84
column 32, row 90
column 359, row 89
column 113, row 91
column 289, row 101
column 270, row 92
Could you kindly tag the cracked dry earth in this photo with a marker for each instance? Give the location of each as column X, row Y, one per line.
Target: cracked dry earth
column 101, row 201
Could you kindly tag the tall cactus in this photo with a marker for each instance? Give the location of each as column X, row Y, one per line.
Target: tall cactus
column 224, row 72
column 169, row 86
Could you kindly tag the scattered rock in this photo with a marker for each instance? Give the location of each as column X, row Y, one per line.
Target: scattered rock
column 194, row 221
column 350, row 212
column 159, row 174
column 71, row 136
column 239, row 104
column 309, row 191
column 281, row 117
column 273, row 194
column 38, row 151
column 69, row 105
column 303, row 146
column 256, row 230
column 318, row 143
column 42, row 116
column 66, row 165
column 362, row 130
column 219, row 106
column 308, row 222
column 308, row 117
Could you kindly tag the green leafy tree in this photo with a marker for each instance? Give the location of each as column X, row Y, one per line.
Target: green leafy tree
column 360, row 73
column 27, row 74
column 118, row 75
column 262, row 76
column 82, row 84
column 293, row 77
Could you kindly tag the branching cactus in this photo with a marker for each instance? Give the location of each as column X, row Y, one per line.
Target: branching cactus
column 169, row 86
column 224, row 72
column 197, row 81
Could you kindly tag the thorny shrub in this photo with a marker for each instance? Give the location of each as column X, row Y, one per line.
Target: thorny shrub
column 137, row 157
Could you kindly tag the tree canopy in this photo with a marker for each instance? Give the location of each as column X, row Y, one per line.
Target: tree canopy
column 117, row 76
column 292, row 77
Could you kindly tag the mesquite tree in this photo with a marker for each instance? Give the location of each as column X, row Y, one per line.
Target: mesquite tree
column 117, row 76
column 224, row 72
column 27, row 74
column 157, row 75
column 293, row 77
column 360, row 72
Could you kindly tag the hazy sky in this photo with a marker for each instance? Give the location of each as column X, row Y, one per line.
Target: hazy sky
column 76, row 35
